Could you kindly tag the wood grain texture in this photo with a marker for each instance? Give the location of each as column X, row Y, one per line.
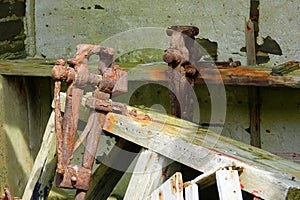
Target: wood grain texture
column 147, row 175
column 205, row 151
column 247, row 76
column 43, row 170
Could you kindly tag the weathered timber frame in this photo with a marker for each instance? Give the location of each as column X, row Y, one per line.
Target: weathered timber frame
column 261, row 173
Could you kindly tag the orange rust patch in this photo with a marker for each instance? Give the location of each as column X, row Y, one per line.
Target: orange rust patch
column 256, row 193
column 110, row 121
column 242, row 186
column 160, row 195
column 179, row 187
column 245, row 72
column 173, row 184
column 144, row 120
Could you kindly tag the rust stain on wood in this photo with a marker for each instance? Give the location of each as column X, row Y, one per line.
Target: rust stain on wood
column 160, row 195
column 109, row 124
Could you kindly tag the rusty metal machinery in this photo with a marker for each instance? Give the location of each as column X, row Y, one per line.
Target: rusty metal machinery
column 181, row 58
column 107, row 81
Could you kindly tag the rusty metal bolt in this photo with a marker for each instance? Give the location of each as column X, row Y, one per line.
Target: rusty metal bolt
column 172, row 56
column 62, row 73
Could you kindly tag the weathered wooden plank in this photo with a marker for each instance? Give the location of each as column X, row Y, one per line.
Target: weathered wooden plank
column 250, row 43
column 43, row 170
column 254, row 115
column 228, row 184
column 253, row 92
column 203, row 150
column 172, row 189
column 147, row 175
column 191, row 192
column 23, row 123
column 206, row 179
column 253, row 76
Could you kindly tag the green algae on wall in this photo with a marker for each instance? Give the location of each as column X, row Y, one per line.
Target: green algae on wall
column 12, row 34
column 74, row 22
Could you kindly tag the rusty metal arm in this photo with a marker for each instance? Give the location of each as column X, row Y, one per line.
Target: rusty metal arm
column 109, row 80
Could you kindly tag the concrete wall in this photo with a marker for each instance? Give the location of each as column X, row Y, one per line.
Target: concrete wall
column 60, row 25
column 73, row 22
column 280, row 20
column 12, row 29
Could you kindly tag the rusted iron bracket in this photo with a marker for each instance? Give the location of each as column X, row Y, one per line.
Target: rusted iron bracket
column 181, row 58
column 107, row 81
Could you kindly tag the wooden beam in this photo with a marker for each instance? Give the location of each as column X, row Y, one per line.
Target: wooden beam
column 250, row 43
column 245, row 76
column 253, row 92
column 43, row 170
column 263, row 173
column 172, row 189
column 203, row 150
column 191, row 192
column 228, row 184
column 254, row 113
column 147, row 175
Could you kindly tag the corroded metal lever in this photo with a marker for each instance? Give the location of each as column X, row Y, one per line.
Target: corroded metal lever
column 107, row 81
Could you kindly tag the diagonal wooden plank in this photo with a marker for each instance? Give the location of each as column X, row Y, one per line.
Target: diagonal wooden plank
column 43, row 170
column 147, row 175
column 172, row 189
column 203, row 150
column 228, row 184
column 191, row 192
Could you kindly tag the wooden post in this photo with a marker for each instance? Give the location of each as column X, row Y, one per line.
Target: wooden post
column 261, row 170
column 44, row 166
column 228, row 185
column 253, row 92
column 172, row 189
column 191, row 192
column 147, row 175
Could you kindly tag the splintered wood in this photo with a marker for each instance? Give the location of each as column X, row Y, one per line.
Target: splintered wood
column 172, row 189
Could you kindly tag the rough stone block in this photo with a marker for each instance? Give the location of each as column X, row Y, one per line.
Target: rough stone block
column 10, row 29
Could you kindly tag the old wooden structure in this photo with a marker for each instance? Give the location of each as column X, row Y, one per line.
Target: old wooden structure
column 160, row 139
